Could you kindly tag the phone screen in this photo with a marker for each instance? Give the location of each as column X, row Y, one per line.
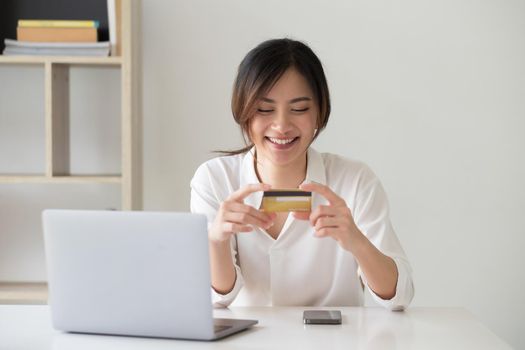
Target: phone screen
column 322, row 317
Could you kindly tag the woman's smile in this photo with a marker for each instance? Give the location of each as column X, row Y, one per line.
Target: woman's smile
column 281, row 144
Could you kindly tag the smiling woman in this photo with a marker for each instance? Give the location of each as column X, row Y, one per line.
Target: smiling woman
column 283, row 125
column 262, row 68
column 320, row 258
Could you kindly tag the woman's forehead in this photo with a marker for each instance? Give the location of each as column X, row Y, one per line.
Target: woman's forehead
column 291, row 85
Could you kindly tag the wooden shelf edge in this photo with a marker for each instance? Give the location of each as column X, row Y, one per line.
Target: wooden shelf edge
column 12, row 179
column 72, row 60
column 23, row 293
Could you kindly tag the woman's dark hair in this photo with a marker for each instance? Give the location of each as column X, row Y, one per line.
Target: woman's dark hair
column 261, row 69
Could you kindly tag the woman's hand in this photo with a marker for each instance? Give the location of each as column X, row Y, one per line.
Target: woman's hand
column 234, row 216
column 334, row 220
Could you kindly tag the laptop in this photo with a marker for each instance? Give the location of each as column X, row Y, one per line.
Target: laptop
column 132, row 273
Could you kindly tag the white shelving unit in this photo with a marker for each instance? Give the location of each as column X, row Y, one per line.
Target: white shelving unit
column 57, row 155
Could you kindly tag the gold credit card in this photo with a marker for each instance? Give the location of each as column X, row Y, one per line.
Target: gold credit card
column 286, row 200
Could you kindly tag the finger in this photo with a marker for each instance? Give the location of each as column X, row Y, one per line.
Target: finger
column 231, row 227
column 243, row 208
column 324, row 191
column 326, row 222
column 325, row 232
column 301, row 215
column 244, row 192
column 322, row 210
column 246, row 219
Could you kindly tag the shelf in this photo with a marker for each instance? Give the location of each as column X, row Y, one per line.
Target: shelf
column 72, row 60
column 23, row 293
column 12, row 179
column 124, row 180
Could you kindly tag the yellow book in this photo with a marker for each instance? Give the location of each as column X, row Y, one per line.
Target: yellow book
column 57, row 23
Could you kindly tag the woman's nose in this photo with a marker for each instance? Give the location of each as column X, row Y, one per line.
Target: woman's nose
column 281, row 122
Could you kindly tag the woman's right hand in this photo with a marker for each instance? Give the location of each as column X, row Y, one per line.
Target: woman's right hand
column 234, row 216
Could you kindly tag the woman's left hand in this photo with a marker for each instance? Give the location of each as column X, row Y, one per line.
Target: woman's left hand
column 334, row 220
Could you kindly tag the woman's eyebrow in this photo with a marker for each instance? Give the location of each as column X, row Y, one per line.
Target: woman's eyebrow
column 293, row 100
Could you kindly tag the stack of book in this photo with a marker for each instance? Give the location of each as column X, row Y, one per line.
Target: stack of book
column 56, row 37
column 57, row 31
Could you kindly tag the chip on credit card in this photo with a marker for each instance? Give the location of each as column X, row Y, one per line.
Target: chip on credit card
column 283, row 200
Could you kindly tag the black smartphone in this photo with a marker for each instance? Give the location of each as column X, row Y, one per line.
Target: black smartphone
column 322, row 317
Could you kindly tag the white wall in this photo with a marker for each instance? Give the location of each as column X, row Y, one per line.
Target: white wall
column 428, row 93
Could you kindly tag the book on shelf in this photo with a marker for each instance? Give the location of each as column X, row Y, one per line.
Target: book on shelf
column 57, row 34
column 14, row 47
column 57, row 30
column 39, row 23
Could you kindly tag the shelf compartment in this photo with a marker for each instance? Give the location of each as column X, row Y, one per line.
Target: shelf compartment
column 23, row 293
column 22, row 253
column 95, row 129
column 71, row 127
column 22, row 120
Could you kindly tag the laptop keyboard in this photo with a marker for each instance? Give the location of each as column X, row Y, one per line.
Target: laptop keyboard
column 218, row 328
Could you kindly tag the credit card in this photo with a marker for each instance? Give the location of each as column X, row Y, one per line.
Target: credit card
column 286, row 200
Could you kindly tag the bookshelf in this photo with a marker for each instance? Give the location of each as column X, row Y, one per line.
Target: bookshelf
column 73, row 60
column 56, row 115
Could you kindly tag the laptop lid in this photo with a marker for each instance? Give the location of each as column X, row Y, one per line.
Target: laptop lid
column 129, row 273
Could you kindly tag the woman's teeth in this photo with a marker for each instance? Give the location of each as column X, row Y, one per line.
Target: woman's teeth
column 281, row 141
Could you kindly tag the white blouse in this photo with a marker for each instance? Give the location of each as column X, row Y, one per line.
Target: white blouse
column 298, row 269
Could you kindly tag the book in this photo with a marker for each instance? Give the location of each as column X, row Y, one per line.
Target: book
column 14, row 47
column 56, row 34
column 57, row 23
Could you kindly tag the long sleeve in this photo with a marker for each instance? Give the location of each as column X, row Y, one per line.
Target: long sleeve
column 372, row 216
column 204, row 201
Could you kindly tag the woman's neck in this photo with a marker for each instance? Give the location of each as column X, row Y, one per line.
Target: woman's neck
column 290, row 176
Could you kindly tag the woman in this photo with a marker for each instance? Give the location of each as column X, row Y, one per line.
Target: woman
column 320, row 258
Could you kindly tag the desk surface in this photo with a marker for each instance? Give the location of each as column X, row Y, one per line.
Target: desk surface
column 29, row 327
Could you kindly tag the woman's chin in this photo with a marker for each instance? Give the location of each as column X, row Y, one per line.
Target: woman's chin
column 283, row 158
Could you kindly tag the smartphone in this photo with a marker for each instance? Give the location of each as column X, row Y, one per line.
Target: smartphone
column 322, row 317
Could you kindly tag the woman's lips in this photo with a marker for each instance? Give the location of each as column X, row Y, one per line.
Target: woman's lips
column 281, row 143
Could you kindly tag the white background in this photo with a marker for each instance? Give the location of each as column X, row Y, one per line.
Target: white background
column 429, row 93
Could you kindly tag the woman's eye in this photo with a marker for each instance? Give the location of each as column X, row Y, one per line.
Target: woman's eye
column 299, row 110
column 260, row 110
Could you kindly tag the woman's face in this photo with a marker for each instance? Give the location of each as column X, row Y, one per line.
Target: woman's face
column 285, row 120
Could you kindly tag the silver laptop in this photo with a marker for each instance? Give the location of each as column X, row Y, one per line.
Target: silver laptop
column 132, row 273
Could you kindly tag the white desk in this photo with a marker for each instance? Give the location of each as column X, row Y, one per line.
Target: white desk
column 29, row 327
